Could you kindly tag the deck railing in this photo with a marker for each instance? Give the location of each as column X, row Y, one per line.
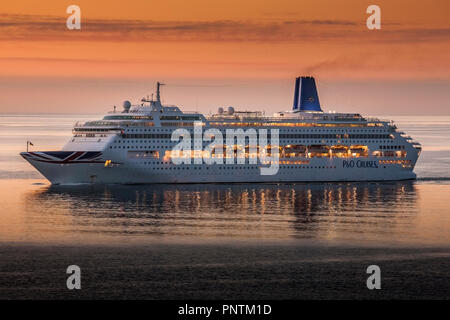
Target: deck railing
column 80, row 124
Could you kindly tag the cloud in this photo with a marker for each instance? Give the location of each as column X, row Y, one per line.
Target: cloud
column 52, row 28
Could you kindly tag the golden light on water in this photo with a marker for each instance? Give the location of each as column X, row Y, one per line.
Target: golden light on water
column 383, row 213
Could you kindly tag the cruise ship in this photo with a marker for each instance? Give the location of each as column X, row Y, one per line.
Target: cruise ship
column 141, row 144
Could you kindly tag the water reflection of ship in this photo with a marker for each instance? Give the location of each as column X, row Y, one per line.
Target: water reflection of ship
column 299, row 210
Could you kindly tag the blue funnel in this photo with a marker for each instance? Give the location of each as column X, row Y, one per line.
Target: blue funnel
column 305, row 95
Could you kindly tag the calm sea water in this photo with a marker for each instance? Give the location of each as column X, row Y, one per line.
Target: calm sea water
column 222, row 240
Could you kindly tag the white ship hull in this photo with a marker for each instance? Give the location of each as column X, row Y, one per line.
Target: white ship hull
column 319, row 170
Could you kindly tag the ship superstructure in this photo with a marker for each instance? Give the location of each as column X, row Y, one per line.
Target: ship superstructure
column 137, row 145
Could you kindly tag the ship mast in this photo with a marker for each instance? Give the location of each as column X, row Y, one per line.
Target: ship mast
column 158, row 92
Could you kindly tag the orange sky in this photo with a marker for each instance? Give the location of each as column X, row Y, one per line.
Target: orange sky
column 213, row 53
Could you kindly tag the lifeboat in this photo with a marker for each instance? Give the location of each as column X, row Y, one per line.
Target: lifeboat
column 321, row 148
column 339, row 149
column 294, row 150
column 318, row 150
column 359, row 150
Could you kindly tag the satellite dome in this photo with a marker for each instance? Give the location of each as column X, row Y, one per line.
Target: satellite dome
column 230, row 110
column 126, row 105
column 220, row 110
